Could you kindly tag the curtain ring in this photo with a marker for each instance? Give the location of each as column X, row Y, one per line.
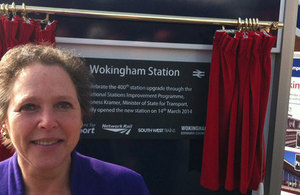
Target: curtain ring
column 250, row 26
column 46, row 20
column 246, row 27
column 2, row 9
column 239, row 24
column 256, row 24
column 14, row 9
column 24, row 12
column 274, row 26
column 6, row 10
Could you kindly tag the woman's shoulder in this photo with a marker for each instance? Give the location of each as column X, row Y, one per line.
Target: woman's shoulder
column 102, row 168
column 4, row 164
column 106, row 177
column 7, row 165
column 10, row 176
column 4, row 168
column 4, row 176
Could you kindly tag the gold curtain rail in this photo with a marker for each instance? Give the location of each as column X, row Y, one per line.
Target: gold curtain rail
column 141, row 16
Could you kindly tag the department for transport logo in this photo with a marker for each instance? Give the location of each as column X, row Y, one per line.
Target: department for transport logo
column 198, row 73
column 120, row 128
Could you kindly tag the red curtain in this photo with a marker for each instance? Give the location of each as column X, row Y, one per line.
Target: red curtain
column 18, row 31
column 233, row 151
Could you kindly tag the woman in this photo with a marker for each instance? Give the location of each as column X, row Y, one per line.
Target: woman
column 43, row 101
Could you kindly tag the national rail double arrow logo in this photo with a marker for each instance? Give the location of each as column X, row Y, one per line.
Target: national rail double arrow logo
column 198, row 73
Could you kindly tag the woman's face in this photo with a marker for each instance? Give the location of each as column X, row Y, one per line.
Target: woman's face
column 44, row 116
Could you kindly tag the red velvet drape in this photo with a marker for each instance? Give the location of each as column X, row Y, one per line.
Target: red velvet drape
column 18, row 31
column 233, row 151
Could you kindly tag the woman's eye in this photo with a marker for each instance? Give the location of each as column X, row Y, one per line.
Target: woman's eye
column 28, row 108
column 64, row 105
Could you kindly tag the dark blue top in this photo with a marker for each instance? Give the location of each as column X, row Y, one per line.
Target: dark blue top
column 88, row 176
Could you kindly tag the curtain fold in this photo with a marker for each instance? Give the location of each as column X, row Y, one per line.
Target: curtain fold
column 25, row 31
column 210, row 179
column 10, row 32
column 19, row 31
column 240, row 75
column 46, row 35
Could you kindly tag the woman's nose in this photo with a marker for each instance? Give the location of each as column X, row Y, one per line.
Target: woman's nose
column 47, row 119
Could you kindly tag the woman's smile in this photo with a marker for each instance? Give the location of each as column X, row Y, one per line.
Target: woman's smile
column 46, row 143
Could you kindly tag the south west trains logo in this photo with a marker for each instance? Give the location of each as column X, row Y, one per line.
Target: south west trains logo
column 121, row 128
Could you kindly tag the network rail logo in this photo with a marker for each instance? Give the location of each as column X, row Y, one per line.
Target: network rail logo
column 120, row 128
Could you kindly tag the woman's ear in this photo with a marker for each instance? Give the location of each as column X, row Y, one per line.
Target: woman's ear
column 4, row 130
column 5, row 124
